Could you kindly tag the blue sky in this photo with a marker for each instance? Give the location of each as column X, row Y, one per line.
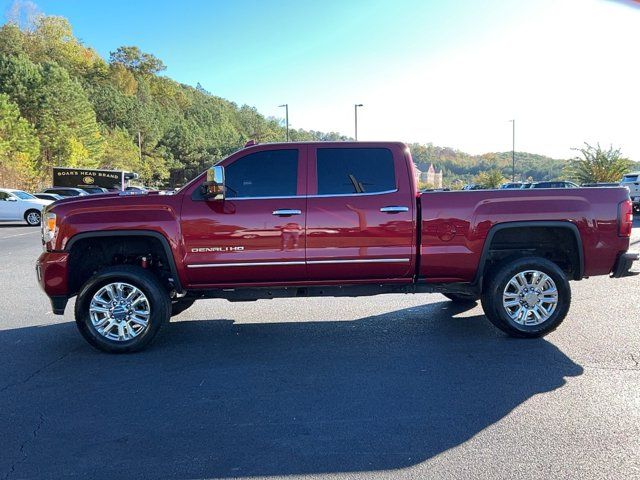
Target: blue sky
column 451, row 73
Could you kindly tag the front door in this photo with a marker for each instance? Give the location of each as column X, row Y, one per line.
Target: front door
column 256, row 235
column 360, row 213
column 9, row 207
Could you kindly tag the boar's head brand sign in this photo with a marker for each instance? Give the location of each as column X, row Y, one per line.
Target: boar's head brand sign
column 80, row 177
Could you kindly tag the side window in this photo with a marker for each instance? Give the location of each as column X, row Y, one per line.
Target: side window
column 355, row 170
column 3, row 196
column 270, row 173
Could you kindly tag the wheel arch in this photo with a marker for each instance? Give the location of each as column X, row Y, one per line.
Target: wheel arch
column 162, row 239
column 502, row 227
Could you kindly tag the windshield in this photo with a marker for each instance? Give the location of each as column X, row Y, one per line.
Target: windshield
column 23, row 195
column 629, row 178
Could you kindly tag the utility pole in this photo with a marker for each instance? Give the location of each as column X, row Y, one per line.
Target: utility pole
column 513, row 150
column 140, row 145
column 286, row 114
column 355, row 109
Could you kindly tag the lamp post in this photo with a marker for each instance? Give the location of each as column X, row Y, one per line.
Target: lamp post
column 355, row 110
column 513, row 150
column 286, row 114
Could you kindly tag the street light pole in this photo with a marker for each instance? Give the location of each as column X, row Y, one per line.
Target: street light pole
column 286, row 113
column 513, row 150
column 355, row 110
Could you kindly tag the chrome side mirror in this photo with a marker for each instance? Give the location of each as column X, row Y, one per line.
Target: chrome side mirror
column 213, row 188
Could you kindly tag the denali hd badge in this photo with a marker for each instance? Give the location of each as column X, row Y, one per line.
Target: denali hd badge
column 216, row 249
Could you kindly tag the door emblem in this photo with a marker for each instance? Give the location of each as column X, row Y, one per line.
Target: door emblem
column 216, row 249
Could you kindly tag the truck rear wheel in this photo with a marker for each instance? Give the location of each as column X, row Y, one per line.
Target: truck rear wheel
column 121, row 309
column 528, row 297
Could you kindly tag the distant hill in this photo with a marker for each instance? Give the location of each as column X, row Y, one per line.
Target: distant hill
column 458, row 165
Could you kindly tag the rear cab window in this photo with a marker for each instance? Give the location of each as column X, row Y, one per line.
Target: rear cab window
column 352, row 171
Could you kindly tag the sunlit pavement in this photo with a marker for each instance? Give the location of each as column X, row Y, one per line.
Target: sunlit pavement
column 392, row 386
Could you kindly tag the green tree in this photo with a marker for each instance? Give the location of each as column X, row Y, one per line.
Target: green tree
column 597, row 165
column 490, row 179
column 135, row 59
column 66, row 123
column 19, row 146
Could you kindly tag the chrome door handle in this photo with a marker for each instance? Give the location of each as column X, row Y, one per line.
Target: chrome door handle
column 286, row 212
column 394, row 209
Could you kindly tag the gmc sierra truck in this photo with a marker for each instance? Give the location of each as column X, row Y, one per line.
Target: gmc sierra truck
column 325, row 219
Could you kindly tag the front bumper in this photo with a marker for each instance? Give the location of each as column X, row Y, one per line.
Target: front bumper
column 622, row 267
column 51, row 270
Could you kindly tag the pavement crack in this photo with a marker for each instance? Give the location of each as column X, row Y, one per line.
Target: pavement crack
column 23, row 446
column 37, row 372
column 633, row 359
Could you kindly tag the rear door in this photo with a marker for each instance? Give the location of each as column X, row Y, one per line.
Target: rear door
column 256, row 235
column 360, row 213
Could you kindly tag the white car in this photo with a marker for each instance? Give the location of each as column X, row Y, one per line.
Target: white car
column 16, row 205
column 632, row 182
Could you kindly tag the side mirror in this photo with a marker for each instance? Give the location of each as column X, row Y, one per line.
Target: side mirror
column 213, row 188
column 12, row 199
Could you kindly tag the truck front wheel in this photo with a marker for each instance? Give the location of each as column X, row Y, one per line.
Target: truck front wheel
column 528, row 297
column 121, row 309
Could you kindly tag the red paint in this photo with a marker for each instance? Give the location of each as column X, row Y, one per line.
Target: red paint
column 337, row 228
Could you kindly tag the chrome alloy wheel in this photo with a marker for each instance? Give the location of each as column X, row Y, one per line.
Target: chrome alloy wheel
column 119, row 311
column 530, row 297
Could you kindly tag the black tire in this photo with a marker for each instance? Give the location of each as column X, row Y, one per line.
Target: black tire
column 462, row 297
column 32, row 217
column 180, row 305
column 147, row 283
column 492, row 302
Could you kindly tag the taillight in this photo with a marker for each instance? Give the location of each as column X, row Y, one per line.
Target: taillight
column 625, row 218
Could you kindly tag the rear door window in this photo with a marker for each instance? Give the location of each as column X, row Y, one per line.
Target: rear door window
column 343, row 171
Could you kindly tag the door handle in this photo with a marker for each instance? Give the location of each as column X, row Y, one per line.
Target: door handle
column 286, row 212
column 394, row 209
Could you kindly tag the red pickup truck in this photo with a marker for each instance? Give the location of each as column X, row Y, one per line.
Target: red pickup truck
column 325, row 219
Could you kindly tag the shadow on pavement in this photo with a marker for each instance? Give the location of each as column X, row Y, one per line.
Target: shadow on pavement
column 214, row 398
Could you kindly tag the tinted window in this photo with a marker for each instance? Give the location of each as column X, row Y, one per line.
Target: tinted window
column 23, row 195
column 355, row 170
column 270, row 173
column 4, row 196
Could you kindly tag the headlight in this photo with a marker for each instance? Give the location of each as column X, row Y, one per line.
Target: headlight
column 48, row 227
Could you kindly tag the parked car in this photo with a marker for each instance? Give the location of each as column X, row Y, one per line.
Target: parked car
column 48, row 196
column 510, row 185
column 66, row 191
column 632, row 182
column 555, row 184
column 325, row 219
column 94, row 190
column 473, row 186
column 600, row 184
column 16, row 205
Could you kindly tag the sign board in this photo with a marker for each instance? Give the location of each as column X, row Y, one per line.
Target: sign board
column 83, row 177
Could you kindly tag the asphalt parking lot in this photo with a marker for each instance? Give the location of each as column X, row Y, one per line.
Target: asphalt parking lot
column 381, row 387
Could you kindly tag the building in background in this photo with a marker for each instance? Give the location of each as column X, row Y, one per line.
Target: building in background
column 431, row 177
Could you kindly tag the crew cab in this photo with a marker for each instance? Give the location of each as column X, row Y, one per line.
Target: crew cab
column 325, row 219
